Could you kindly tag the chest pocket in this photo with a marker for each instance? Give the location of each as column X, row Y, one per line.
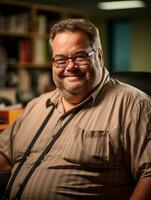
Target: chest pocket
column 88, row 147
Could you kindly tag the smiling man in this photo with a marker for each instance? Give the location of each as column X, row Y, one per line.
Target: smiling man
column 88, row 139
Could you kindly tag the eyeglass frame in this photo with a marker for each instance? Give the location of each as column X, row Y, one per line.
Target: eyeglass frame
column 73, row 58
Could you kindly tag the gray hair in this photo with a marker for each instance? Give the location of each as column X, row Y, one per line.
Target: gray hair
column 74, row 25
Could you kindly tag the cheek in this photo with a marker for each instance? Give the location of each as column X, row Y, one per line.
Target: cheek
column 53, row 73
column 87, row 69
column 56, row 73
column 91, row 71
column 92, row 74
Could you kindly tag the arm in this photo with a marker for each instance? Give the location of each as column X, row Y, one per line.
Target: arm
column 5, row 173
column 4, row 163
column 138, row 145
column 142, row 190
column 7, row 136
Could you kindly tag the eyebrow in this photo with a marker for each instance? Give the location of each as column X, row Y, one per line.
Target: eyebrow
column 77, row 53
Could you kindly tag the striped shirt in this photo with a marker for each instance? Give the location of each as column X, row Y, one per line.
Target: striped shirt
column 100, row 154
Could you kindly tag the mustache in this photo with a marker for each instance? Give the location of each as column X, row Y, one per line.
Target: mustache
column 75, row 72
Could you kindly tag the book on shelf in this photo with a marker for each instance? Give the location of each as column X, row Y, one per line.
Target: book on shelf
column 41, row 24
column 24, row 51
column 24, row 80
column 15, row 23
column 40, row 50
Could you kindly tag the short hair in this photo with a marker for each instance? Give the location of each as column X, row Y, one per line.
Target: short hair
column 74, row 25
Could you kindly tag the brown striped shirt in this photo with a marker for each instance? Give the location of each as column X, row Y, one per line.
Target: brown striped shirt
column 100, row 154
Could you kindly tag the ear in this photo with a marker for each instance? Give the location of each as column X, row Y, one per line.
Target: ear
column 101, row 58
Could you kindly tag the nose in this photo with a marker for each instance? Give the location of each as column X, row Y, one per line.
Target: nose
column 71, row 65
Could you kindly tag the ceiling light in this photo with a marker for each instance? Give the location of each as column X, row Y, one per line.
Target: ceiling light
column 114, row 5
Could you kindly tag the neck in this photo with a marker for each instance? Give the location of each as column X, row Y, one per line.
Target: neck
column 69, row 104
column 69, row 101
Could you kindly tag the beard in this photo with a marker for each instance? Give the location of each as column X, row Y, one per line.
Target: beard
column 72, row 87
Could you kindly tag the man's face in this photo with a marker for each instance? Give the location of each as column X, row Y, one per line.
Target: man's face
column 74, row 80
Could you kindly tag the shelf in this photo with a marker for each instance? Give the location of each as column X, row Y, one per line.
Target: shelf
column 29, row 65
column 23, row 35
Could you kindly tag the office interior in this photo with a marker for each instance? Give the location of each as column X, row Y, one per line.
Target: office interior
column 125, row 36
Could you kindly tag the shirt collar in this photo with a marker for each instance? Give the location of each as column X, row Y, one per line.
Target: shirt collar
column 105, row 79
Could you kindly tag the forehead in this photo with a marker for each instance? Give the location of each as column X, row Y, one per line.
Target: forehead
column 68, row 39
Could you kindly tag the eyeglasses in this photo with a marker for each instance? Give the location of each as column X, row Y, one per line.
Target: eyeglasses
column 80, row 59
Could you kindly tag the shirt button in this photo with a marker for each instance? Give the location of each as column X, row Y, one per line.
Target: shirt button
column 29, row 166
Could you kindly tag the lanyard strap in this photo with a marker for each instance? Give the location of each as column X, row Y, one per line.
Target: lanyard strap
column 41, row 157
column 28, row 150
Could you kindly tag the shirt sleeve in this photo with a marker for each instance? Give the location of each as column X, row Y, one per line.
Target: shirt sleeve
column 6, row 140
column 137, row 138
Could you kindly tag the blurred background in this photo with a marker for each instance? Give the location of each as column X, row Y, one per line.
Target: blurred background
column 25, row 66
column 125, row 33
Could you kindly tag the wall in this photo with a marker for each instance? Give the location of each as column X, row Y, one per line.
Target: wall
column 141, row 44
column 101, row 23
column 140, row 41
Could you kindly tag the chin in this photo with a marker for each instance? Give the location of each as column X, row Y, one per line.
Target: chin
column 74, row 90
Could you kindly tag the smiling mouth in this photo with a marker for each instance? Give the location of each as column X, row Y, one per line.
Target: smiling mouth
column 79, row 75
column 74, row 75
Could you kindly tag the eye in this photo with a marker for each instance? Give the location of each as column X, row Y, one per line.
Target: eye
column 81, row 57
column 60, row 60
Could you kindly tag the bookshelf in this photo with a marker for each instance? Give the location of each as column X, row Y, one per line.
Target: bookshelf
column 24, row 49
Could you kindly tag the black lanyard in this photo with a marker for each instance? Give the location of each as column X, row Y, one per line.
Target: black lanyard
column 41, row 157
column 27, row 152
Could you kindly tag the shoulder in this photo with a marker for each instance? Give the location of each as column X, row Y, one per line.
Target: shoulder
column 121, row 90
column 124, row 98
column 41, row 102
column 42, row 99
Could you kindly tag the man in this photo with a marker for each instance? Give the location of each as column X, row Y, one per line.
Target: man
column 88, row 139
